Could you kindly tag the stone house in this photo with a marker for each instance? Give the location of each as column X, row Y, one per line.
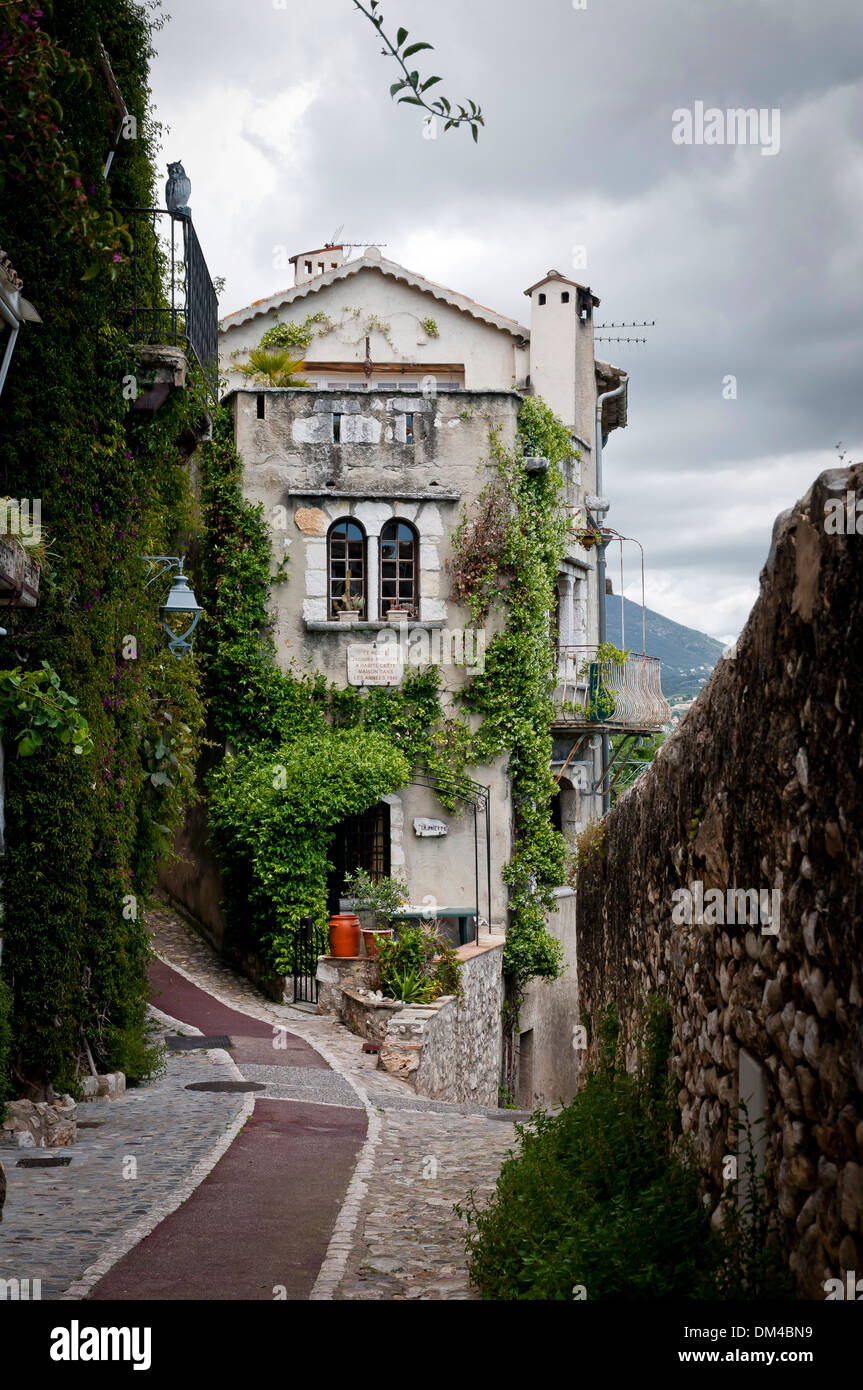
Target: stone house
column 363, row 476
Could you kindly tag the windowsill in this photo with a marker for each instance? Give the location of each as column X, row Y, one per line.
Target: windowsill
column 372, row 625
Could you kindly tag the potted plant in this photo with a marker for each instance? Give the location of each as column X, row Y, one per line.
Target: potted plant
column 587, row 536
column 378, row 901
column 398, row 612
column 420, row 966
column 350, row 606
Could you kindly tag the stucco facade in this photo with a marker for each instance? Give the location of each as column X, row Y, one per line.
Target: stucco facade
column 391, row 439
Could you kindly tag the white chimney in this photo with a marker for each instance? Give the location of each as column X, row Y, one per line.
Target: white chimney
column 308, row 264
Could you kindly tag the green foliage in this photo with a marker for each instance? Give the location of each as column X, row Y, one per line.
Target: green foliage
column 600, row 1196
column 754, row 1267
column 542, row 434
column 37, row 74
column 382, row 897
column 275, row 366
column 431, row 328
column 412, row 89
column 86, row 833
column 420, row 960
column 272, row 818
column 514, row 693
column 642, row 755
column 298, row 335
column 32, row 705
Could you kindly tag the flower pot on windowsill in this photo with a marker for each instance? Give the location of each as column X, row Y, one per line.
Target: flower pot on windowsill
column 348, row 615
column 396, row 614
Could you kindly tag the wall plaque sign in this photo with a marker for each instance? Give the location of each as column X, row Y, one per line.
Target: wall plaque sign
column 370, row 664
column 423, row 827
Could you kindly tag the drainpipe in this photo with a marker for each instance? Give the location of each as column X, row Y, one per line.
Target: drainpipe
column 600, row 555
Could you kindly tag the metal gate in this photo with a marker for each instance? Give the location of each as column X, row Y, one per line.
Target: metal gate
column 309, row 943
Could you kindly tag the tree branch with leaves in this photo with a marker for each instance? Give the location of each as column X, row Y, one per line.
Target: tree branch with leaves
column 412, row 89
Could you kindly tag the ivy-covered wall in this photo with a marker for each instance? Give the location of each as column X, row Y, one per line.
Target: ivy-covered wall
column 85, row 834
column 508, row 551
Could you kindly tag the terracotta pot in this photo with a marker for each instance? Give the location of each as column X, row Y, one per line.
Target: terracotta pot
column 345, row 934
column 369, row 940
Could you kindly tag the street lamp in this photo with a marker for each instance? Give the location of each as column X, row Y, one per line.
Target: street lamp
column 181, row 601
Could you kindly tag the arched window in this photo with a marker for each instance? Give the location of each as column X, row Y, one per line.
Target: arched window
column 347, row 567
column 399, row 567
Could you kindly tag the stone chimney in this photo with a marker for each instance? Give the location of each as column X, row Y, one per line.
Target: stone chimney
column 308, row 264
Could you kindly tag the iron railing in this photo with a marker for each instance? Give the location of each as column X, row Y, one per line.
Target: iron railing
column 173, row 299
column 608, row 694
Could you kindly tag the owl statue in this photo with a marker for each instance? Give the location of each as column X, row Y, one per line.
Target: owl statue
column 177, row 190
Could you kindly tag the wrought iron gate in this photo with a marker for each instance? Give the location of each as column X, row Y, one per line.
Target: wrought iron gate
column 309, row 943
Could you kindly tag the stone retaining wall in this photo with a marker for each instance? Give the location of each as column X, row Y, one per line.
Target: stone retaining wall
column 448, row 1050
column 760, row 789
column 451, row 1050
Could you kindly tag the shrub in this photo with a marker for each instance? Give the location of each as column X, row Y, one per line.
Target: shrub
column 273, row 813
column 601, row 1196
column 420, row 961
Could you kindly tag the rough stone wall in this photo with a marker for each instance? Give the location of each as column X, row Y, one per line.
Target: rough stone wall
column 451, row 1050
column 760, row 788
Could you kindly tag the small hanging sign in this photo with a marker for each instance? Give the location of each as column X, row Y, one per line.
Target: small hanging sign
column 425, row 828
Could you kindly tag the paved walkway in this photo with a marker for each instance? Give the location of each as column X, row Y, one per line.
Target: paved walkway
column 259, row 1225
column 398, row 1238
column 137, row 1157
column 333, row 1181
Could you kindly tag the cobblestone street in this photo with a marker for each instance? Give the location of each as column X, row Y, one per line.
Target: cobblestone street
column 139, row 1158
column 410, row 1242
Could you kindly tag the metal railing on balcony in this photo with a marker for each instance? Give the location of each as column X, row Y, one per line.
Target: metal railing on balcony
column 606, row 694
column 173, row 299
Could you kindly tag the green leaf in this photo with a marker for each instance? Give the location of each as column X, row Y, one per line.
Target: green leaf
column 92, row 270
column 400, row 38
column 430, row 83
column 397, row 86
column 411, row 101
column 475, row 130
column 415, row 48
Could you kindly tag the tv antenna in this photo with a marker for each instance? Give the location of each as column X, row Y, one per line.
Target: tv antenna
column 643, row 323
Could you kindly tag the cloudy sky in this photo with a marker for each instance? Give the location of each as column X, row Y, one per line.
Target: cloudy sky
column 751, row 264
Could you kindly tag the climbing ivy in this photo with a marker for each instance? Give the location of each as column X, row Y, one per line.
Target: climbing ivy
column 273, row 813
column 529, row 537
column 262, row 709
column 298, row 335
column 85, row 834
column 296, row 720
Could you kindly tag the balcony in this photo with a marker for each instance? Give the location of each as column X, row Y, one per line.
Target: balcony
column 174, row 309
column 606, row 695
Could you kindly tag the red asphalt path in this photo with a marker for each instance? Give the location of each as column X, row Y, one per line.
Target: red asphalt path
column 262, row 1220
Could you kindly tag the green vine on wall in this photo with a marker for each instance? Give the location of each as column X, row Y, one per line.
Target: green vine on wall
column 86, row 834
column 32, row 704
column 368, row 741
column 520, row 532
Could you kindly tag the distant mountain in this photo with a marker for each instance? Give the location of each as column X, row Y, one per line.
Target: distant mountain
column 687, row 656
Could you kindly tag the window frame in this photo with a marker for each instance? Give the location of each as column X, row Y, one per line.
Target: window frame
column 384, row 604
column 332, row 613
